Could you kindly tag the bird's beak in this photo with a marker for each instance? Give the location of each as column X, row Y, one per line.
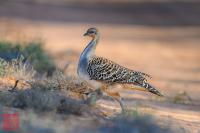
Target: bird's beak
column 85, row 34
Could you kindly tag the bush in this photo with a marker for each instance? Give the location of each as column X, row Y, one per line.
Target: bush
column 31, row 51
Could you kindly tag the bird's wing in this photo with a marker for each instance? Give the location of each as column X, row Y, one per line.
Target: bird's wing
column 107, row 71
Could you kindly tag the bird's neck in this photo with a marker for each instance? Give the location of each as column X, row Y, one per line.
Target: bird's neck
column 89, row 51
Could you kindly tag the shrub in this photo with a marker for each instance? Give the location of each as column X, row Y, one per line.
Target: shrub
column 31, row 51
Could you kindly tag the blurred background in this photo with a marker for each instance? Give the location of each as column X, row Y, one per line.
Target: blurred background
column 158, row 37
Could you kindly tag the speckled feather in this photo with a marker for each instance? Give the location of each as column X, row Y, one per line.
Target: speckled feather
column 107, row 71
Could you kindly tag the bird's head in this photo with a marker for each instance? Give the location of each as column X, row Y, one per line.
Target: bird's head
column 91, row 32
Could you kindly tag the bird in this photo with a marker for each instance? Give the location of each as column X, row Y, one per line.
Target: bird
column 101, row 73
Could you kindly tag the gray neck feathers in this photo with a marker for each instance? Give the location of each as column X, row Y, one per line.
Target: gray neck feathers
column 89, row 51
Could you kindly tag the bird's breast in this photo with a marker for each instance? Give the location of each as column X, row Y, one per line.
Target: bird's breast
column 83, row 74
column 82, row 66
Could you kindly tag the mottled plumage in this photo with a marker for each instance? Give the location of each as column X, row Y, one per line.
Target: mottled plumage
column 107, row 71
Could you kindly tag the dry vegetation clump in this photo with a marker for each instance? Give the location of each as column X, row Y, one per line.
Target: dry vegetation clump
column 58, row 93
column 46, row 94
column 182, row 98
column 17, row 68
column 16, row 72
column 68, row 85
column 43, row 100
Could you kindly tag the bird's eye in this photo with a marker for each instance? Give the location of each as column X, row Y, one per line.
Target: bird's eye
column 91, row 32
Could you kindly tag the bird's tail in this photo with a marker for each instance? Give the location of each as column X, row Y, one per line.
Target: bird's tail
column 151, row 89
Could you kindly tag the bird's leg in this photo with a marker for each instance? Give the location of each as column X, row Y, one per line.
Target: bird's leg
column 116, row 96
column 14, row 87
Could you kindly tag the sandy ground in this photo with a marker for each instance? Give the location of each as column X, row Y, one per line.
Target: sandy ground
column 156, row 38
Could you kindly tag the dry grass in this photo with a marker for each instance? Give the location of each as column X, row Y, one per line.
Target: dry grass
column 44, row 93
column 17, row 69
